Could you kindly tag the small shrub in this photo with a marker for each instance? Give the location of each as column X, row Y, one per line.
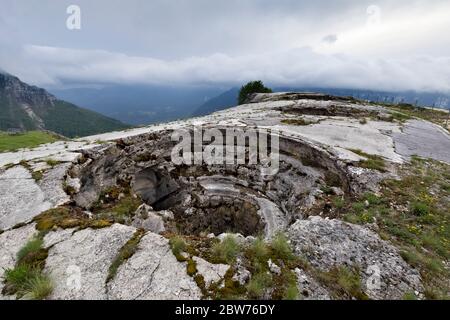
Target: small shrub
column 227, row 250
column 252, row 87
column 291, row 292
column 372, row 198
column 31, row 247
column 419, row 208
column 258, row 285
column 37, row 175
column 358, row 207
column 40, row 287
column 338, row 203
column 259, row 249
column 191, row 267
column 409, row 296
column 178, row 245
column 281, row 247
column 27, row 278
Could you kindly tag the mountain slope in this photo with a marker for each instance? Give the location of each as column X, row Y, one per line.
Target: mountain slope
column 140, row 104
column 223, row 101
column 25, row 107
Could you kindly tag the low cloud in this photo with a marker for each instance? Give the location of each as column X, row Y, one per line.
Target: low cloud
column 297, row 67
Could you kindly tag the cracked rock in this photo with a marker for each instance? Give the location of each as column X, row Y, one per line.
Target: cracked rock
column 153, row 273
column 333, row 243
column 79, row 264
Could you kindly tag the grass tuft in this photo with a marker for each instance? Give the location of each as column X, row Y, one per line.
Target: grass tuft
column 227, row 250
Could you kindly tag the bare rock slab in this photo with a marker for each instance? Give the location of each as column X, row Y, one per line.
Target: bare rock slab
column 153, row 273
column 21, row 198
column 79, row 265
column 333, row 243
column 212, row 273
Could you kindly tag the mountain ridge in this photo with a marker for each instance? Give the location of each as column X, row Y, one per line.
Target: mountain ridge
column 25, row 107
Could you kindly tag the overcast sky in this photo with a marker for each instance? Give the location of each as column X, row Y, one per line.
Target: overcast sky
column 381, row 45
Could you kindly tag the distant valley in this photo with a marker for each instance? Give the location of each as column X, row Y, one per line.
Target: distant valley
column 142, row 105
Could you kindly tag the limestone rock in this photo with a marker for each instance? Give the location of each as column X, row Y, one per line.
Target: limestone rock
column 153, row 273
column 145, row 218
column 21, row 198
column 273, row 267
column 79, row 265
column 212, row 273
column 328, row 243
column 52, row 184
column 309, row 288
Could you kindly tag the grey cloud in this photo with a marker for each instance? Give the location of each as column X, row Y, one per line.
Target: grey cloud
column 219, row 42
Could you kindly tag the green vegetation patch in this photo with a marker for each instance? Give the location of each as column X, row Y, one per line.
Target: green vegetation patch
column 125, row 253
column 227, row 250
column 31, row 139
column 403, row 112
column 373, row 162
column 66, row 217
column 413, row 213
column 345, row 282
column 116, row 204
column 27, row 279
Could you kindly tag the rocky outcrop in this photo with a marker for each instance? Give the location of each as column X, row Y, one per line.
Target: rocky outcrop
column 79, row 264
column 153, row 273
column 23, row 197
column 20, row 197
column 309, row 288
column 204, row 203
column 333, row 243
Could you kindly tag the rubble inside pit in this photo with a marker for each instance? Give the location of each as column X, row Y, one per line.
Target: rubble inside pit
column 112, row 190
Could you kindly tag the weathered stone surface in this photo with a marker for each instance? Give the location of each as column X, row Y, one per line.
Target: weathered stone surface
column 79, row 265
column 153, row 273
column 329, row 243
column 212, row 273
column 52, row 184
column 58, row 236
column 10, row 243
column 145, row 218
column 309, row 288
column 21, row 199
column 423, row 139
